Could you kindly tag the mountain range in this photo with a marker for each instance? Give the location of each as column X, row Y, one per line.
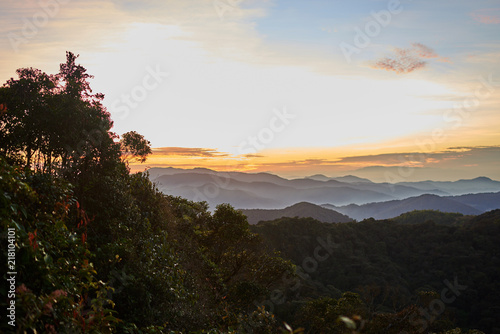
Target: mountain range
column 349, row 195
column 472, row 204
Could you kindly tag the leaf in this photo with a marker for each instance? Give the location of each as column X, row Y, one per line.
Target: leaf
column 348, row 322
column 23, row 211
column 47, row 259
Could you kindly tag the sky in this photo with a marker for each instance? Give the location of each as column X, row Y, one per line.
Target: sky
column 393, row 90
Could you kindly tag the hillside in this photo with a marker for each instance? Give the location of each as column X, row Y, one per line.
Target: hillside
column 437, row 217
column 302, row 209
column 482, row 202
column 389, row 264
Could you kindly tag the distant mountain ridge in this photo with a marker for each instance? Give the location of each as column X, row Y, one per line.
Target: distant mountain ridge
column 269, row 191
column 472, row 204
column 301, row 210
column 482, row 202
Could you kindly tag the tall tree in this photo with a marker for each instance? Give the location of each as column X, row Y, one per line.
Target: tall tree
column 54, row 122
column 135, row 146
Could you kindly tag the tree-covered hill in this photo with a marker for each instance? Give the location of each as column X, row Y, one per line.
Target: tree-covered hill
column 302, row 209
column 389, row 262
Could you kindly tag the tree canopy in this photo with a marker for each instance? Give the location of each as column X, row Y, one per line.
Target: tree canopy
column 135, row 146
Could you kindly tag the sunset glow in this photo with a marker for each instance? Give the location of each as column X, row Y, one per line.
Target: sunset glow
column 290, row 87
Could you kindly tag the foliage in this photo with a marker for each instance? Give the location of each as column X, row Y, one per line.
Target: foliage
column 388, row 264
column 421, row 216
column 53, row 122
column 322, row 315
column 135, row 146
column 57, row 288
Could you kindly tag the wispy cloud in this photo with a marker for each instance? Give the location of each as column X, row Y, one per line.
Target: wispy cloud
column 487, row 16
column 424, row 51
column 253, row 156
column 459, row 156
column 409, row 59
column 189, row 152
column 297, row 163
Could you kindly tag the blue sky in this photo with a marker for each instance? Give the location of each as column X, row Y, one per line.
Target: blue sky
column 212, row 74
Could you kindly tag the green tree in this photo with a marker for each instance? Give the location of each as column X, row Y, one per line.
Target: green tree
column 323, row 315
column 53, row 122
column 135, row 146
column 25, row 133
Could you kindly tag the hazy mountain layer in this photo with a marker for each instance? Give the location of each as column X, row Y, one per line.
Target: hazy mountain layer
column 268, row 191
column 472, row 204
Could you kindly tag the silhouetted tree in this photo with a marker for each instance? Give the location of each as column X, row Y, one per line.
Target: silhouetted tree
column 135, row 146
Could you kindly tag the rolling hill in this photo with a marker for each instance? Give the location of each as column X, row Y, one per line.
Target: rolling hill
column 302, row 209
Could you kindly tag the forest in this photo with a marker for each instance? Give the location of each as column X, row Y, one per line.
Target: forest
column 419, row 259
column 98, row 249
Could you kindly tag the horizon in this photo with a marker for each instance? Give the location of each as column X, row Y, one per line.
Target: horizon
column 392, row 91
column 375, row 180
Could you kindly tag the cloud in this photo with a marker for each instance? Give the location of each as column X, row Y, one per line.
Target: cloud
column 424, row 51
column 253, row 156
column 408, row 60
column 390, row 159
column 453, row 156
column 302, row 164
column 487, row 16
column 189, row 151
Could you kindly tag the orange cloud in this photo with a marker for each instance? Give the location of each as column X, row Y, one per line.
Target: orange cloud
column 253, row 156
column 423, row 51
column 189, row 151
column 408, row 60
column 487, row 16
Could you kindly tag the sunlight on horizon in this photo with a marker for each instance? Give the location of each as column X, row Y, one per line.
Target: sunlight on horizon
column 191, row 76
